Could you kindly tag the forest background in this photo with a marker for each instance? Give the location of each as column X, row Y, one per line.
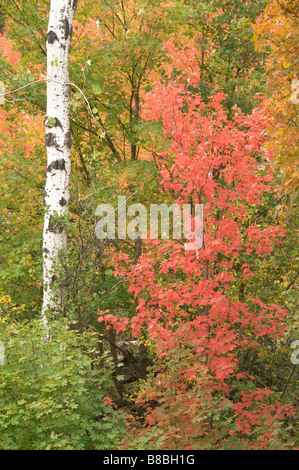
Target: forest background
column 153, row 347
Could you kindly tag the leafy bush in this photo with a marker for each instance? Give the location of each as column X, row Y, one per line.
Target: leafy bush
column 52, row 390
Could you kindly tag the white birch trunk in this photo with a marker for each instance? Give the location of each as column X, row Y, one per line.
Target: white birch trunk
column 58, row 145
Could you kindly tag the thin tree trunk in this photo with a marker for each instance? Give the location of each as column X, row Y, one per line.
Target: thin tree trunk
column 58, row 145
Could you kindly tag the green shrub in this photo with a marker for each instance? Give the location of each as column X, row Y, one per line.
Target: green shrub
column 52, row 386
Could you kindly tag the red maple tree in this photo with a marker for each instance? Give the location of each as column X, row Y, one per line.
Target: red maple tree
column 188, row 308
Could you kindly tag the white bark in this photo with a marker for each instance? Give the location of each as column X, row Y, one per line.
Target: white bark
column 58, row 145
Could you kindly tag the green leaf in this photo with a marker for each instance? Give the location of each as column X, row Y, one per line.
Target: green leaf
column 97, row 89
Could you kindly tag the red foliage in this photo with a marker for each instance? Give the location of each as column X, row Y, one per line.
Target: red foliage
column 186, row 302
column 8, row 51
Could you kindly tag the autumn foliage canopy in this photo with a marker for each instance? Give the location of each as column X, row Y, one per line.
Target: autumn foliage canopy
column 152, row 346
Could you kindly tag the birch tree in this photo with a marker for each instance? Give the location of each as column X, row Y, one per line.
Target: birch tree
column 58, row 144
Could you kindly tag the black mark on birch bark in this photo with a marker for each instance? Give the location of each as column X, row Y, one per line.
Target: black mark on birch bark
column 67, row 92
column 75, row 4
column 68, row 140
column 63, row 201
column 58, row 123
column 44, row 199
column 57, row 165
column 66, row 27
column 51, row 37
column 51, row 140
column 55, row 226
